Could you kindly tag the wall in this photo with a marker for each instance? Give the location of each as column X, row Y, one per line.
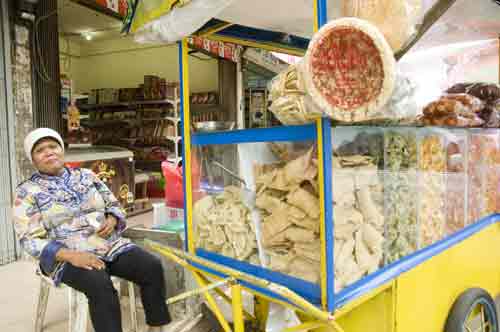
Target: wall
column 69, row 59
column 121, row 63
column 8, row 243
column 23, row 98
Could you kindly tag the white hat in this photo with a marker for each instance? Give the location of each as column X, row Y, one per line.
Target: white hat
column 38, row 134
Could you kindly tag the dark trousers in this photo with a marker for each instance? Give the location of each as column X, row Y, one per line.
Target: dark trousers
column 136, row 265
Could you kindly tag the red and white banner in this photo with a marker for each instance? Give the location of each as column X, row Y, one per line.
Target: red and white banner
column 227, row 51
column 118, row 6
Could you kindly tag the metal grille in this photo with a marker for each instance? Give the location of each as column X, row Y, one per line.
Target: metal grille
column 7, row 238
column 45, row 56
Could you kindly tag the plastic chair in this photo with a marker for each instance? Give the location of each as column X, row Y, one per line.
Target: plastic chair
column 78, row 305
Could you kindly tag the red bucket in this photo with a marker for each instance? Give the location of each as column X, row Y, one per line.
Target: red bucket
column 174, row 191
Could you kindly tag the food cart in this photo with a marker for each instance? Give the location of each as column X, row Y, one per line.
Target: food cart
column 420, row 254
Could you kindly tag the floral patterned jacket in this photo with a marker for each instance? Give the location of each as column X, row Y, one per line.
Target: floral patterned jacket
column 53, row 212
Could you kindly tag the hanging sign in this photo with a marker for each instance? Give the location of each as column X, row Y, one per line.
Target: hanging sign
column 118, row 6
column 227, row 51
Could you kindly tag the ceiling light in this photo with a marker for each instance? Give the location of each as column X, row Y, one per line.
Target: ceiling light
column 87, row 35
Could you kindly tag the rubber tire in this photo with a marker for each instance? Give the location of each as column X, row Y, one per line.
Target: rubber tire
column 462, row 306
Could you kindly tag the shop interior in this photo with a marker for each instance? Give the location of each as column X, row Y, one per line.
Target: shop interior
column 121, row 102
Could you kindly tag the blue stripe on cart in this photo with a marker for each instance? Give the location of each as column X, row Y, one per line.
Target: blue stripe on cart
column 392, row 271
column 309, row 291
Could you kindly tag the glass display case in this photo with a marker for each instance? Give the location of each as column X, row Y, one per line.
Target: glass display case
column 483, row 174
column 400, row 182
column 491, row 176
column 456, row 180
column 431, row 185
column 266, row 212
column 395, row 190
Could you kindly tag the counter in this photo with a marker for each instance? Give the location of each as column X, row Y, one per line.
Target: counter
column 113, row 165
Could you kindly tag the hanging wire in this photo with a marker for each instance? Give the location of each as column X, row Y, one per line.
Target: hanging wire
column 38, row 61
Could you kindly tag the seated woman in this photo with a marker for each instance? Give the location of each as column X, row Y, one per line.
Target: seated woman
column 71, row 222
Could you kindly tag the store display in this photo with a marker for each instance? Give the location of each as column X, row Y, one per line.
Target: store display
column 127, row 94
column 402, row 108
column 204, row 98
column 491, row 171
column 290, row 215
column 487, row 92
column 257, row 105
column 400, row 150
column 358, row 219
column 475, row 189
column 431, row 187
column 405, row 15
column 400, row 191
column 456, row 181
column 108, row 96
column 224, row 225
column 365, row 143
column 349, row 70
column 290, row 103
column 465, row 105
column 454, row 111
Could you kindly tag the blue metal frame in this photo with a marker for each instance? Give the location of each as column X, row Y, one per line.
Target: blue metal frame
column 273, row 134
column 265, row 36
column 321, row 19
column 329, row 222
column 395, row 269
column 322, row 13
column 312, row 292
column 309, row 291
column 181, row 77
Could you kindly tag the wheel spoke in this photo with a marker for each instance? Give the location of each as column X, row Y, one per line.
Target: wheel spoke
column 482, row 319
column 467, row 327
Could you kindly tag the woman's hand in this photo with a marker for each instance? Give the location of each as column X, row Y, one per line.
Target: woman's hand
column 107, row 227
column 81, row 259
column 87, row 260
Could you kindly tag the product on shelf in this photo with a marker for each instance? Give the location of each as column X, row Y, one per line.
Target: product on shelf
column 400, row 150
column 358, row 219
column 431, row 208
column 400, row 194
column 397, row 31
column 476, row 177
column 223, row 225
column 349, row 70
column 454, row 111
column 491, row 171
column 288, row 200
column 488, row 92
column 290, row 103
column 204, row 98
column 365, row 143
column 456, row 181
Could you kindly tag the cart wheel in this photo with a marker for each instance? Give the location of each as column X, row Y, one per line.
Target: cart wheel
column 474, row 311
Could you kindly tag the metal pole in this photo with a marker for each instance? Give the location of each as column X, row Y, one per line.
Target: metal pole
column 321, row 13
column 325, row 151
column 186, row 145
column 237, row 303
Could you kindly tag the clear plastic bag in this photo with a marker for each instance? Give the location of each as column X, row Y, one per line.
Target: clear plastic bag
column 402, row 106
column 290, row 103
column 396, row 19
column 180, row 21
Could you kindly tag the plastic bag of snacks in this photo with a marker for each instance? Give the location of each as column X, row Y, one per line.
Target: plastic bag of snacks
column 396, row 19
